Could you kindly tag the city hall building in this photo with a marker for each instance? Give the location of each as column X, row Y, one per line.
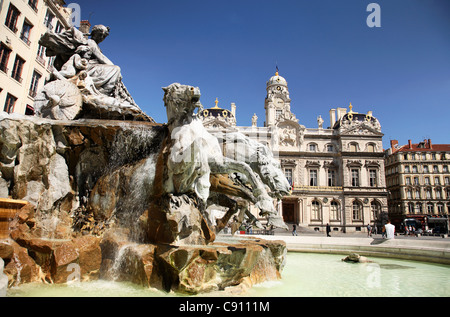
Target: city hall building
column 336, row 172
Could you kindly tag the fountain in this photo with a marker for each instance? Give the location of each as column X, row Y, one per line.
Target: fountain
column 113, row 195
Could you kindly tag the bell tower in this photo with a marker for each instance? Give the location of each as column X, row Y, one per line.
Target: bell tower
column 278, row 103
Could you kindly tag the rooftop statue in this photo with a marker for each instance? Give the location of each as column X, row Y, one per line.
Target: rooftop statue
column 84, row 82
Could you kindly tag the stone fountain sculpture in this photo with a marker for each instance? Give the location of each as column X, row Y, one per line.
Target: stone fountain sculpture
column 127, row 199
column 84, row 82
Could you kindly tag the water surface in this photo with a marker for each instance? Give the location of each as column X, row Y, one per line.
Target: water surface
column 306, row 274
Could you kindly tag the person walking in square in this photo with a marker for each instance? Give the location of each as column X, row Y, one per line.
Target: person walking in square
column 328, row 230
column 294, row 230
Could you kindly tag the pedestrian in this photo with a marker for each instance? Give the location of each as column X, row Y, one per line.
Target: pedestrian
column 390, row 230
column 328, row 230
column 369, row 230
column 294, row 230
column 383, row 232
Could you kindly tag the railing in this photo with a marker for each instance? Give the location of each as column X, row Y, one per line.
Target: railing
column 33, row 5
column 32, row 93
column 12, row 27
column 25, row 39
column 40, row 60
column 317, row 188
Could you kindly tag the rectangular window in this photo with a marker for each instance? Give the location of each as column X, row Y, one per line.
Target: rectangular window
column 34, row 84
column 33, row 4
column 408, row 180
column 4, row 57
column 10, row 103
column 17, row 70
column 48, row 20
column 425, row 169
column 59, row 27
column 12, row 17
column 355, row 177
column 331, row 178
column 416, row 180
column 408, row 194
column 278, row 114
column 313, row 178
column 427, row 181
column 406, row 169
column 373, row 178
column 26, row 31
column 288, row 174
column 437, row 181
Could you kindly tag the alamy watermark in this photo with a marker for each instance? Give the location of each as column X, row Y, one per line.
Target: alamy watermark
column 374, row 18
column 75, row 17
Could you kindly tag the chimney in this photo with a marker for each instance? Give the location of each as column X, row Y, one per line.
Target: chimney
column 430, row 146
column 332, row 117
column 394, row 143
column 409, row 144
column 341, row 112
column 85, row 27
column 233, row 109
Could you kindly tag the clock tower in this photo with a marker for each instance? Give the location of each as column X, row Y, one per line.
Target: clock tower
column 278, row 103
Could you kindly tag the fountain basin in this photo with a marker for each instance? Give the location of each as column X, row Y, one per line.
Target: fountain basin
column 305, row 275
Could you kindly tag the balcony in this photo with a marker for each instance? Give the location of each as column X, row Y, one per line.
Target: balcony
column 317, row 188
column 32, row 93
column 24, row 37
column 40, row 60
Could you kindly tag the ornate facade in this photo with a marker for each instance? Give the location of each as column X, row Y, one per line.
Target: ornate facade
column 337, row 173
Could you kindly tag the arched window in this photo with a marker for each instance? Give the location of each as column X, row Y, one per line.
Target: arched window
column 375, row 208
column 371, row 148
column 353, row 147
column 316, row 210
column 335, row 211
column 356, row 210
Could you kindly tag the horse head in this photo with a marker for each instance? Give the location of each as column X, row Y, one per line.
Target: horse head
column 181, row 101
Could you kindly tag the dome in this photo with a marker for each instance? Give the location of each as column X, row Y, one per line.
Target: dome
column 277, row 80
column 216, row 112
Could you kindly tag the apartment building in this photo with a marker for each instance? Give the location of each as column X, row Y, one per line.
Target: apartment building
column 418, row 183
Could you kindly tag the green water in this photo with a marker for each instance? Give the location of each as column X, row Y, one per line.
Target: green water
column 306, row 274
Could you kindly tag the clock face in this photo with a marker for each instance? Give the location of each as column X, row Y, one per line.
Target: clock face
column 278, row 102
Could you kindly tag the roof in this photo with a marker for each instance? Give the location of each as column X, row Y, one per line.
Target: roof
column 216, row 112
column 425, row 146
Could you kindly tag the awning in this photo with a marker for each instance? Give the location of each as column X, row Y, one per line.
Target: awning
column 436, row 219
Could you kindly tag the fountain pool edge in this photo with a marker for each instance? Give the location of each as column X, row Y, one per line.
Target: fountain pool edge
column 417, row 250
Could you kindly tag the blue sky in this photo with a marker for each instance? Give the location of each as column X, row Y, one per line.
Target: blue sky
column 324, row 49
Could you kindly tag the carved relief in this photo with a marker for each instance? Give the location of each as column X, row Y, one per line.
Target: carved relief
column 288, row 136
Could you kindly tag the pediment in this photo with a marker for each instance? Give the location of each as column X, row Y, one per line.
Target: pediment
column 215, row 124
column 360, row 129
